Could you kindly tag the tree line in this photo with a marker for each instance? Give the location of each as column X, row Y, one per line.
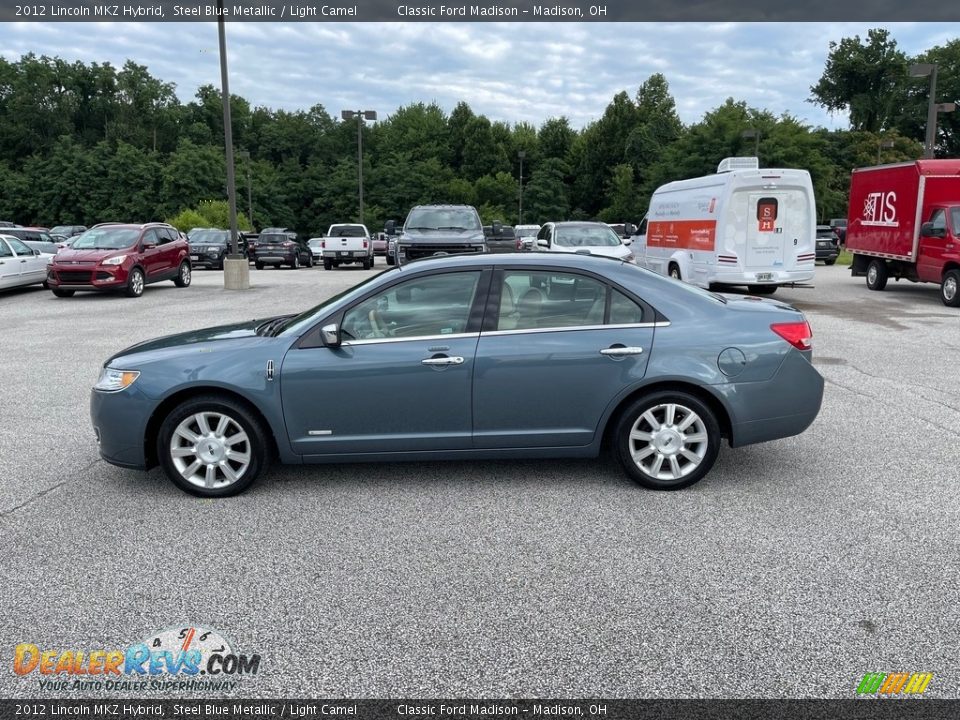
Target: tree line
column 83, row 143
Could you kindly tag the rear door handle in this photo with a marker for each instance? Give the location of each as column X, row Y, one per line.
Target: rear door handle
column 441, row 361
column 621, row 351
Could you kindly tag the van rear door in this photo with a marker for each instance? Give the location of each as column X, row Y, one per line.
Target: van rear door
column 778, row 230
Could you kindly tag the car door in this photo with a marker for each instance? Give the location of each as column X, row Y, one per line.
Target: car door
column 400, row 381
column 32, row 267
column 169, row 249
column 9, row 266
column 151, row 254
column 933, row 248
column 562, row 346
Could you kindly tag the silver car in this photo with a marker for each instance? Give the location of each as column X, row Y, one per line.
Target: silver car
column 484, row 356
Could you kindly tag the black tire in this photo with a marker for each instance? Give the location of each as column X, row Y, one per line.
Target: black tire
column 671, row 444
column 327, row 264
column 877, row 274
column 366, row 263
column 829, row 262
column 258, row 265
column 256, row 446
column 295, row 265
column 373, row 260
column 762, row 289
column 184, row 275
column 391, row 260
column 950, row 289
column 674, row 272
column 309, row 261
column 63, row 293
column 135, row 283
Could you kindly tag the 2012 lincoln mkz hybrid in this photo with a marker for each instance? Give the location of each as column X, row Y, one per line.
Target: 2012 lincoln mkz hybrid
column 487, row 356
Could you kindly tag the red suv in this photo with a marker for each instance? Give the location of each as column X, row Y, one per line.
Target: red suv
column 112, row 256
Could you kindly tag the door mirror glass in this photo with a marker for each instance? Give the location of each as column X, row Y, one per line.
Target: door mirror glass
column 629, row 229
column 542, row 242
column 330, row 335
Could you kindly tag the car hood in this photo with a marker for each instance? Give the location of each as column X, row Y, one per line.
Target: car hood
column 189, row 339
column 69, row 255
column 441, row 236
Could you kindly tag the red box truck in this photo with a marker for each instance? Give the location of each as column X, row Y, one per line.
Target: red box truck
column 903, row 221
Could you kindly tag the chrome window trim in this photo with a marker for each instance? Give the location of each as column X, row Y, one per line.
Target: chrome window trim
column 570, row 328
column 418, row 338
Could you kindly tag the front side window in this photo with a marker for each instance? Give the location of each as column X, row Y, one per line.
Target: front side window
column 420, row 307
column 19, row 247
column 5, row 250
column 939, row 220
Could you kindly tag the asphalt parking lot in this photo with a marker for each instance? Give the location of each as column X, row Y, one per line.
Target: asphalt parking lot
column 794, row 568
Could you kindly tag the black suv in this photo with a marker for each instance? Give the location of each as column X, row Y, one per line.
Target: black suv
column 281, row 246
column 210, row 246
column 828, row 245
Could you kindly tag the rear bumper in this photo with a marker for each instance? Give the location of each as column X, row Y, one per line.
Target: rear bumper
column 275, row 258
column 783, row 406
column 750, row 277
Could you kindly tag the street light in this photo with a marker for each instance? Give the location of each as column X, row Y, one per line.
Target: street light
column 755, row 134
column 360, row 115
column 521, row 154
column 236, row 271
column 883, row 145
column 922, row 70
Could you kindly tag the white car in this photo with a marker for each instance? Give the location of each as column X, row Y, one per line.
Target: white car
column 21, row 265
column 316, row 249
column 591, row 238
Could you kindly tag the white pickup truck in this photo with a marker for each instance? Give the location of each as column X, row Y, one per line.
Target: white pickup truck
column 347, row 243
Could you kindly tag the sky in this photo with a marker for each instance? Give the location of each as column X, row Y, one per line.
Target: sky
column 512, row 72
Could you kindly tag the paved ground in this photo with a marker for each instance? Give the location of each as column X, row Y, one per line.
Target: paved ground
column 793, row 569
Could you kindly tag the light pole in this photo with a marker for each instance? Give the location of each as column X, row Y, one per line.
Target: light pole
column 236, row 271
column 360, row 115
column 245, row 156
column 755, row 134
column 521, row 154
column 922, row 70
column 883, row 145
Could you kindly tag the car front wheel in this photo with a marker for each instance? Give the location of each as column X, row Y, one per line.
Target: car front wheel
column 667, row 441
column 950, row 289
column 135, row 283
column 877, row 275
column 212, row 447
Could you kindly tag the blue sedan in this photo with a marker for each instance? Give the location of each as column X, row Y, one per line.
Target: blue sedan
column 509, row 356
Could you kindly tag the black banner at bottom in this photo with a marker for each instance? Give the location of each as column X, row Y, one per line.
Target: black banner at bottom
column 860, row 709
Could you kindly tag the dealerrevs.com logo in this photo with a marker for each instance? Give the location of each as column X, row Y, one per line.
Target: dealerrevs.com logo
column 894, row 683
column 176, row 659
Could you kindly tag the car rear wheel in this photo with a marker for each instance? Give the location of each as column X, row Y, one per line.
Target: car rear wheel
column 950, row 289
column 675, row 272
column 829, row 262
column 667, row 440
column 184, row 275
column 135, row 283
column 212, row 447
column 762, row 289
column 327, row 264
column 258, row 265
column 877, row 275
column 296, row 262
column 391, row 260
column 63, row 293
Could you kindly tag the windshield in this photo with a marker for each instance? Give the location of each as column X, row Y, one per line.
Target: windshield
column 346, row 231
column 586, row 236
column 301, row 322
column 527, row 230
column 61, row 230
column 107, row 238
column 433, row 218
column 209, row 235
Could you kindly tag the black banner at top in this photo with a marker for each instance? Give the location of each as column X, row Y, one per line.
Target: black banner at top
column 879, row 11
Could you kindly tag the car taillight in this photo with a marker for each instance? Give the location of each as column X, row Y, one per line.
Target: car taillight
column 323, row 243
column 797, row 334
column 364, row 244
column 288, row 243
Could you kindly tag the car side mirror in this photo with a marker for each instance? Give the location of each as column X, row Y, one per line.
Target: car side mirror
column 629, row 229
column 391, row 227
column 928, row 230
column 149, row 246
column 628, row 241
column 330, row 334
column 542, row 242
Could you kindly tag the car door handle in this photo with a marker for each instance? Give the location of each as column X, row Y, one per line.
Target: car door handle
column 621, row 351
column 441, row 361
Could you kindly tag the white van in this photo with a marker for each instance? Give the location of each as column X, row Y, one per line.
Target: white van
column 742, row 226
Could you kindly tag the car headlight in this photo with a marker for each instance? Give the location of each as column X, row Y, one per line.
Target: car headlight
column 112, row 380
column 118, row 260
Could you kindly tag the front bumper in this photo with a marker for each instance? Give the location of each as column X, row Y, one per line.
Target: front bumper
column 119, row 424
column 831, row 252
column 207, row 259
column 100, row 277
column 408, row 253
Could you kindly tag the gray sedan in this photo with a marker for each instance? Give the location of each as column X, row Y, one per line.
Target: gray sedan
column 512, row 356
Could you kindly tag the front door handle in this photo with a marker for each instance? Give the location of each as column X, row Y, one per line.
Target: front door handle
column 442, row 361
column 621, row 351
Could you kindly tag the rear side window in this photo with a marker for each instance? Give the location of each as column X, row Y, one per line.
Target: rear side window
column 4, row 250
column 623, row 310
column 19, row 248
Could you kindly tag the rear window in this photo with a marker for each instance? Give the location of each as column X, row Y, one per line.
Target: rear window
column 346, row 231
column 273, row 238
